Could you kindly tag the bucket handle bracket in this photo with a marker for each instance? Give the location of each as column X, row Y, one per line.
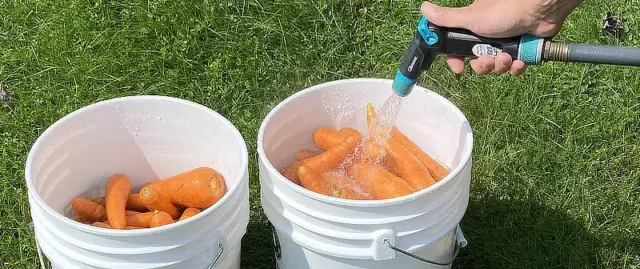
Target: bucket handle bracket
column 215, row 260
column 460, row 243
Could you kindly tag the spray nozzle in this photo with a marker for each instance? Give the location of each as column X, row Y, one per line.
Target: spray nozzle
column 431, row 40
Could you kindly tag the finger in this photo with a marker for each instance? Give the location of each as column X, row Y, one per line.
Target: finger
column 503, row 63
column 483, row 64
column 517, row 68
column 459, row 17
column 456, row 64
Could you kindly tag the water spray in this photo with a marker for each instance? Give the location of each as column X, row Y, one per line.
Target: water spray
column 431, row 40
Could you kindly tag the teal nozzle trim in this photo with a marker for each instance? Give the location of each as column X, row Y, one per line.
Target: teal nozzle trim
column 530, row 51
column 402, row 85
column 429, row 36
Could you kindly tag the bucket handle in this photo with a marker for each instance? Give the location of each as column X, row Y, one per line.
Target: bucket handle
column 460, row 243
column 215, row 260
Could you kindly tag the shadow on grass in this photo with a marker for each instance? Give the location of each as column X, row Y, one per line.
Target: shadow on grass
column 257, row 245
column 526, row 234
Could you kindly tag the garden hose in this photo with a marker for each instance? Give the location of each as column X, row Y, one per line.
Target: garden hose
column 431, row 40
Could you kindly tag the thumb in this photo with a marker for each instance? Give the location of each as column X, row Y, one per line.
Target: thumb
column 459, row 17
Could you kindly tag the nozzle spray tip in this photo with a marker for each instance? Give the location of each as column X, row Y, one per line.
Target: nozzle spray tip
column 402, row 85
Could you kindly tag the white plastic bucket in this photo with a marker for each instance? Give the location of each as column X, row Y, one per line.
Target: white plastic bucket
column 147, row 138
column 316, row 231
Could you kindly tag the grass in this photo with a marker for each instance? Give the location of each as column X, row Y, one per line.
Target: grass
column 556, row 175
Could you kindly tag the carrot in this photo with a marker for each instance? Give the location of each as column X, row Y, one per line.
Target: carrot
column 326, row 138
column 141, row 219
column 437, row 170
column 161, row 218
column 346, row 193
column 129, row 212
column 373, row 152
column 200, row 187
column 102, row 225
column 346, row 132
column 88, row 210
column 100, row 200
column 326, row 160
column 189, row 212
column 154, row 200
column 105, row 224
column 342, row 183
column 117, row 192
column 306, row 154
column 407, row 166
column 381, row 183
column 134, row 203
column 311, row 180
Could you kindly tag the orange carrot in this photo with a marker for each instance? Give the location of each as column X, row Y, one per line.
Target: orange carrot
column 105, row 224
column 346, row 193
column 200, row 187
column 141, row 219
column 153, row 199
column 189, row 212
column 306, row 154
column 117, row 193
column 326, row 138
column 407, row 166
column 161, row 218
column 332, row 157
column 346, row 132
column 341, row 182
column 382, row 183
column 129, row 212
column 134, row 203
column 88, row 210
column 102, row 225
column 373, row 152
column 437, row 170
column 100, row 200
column 311, row 180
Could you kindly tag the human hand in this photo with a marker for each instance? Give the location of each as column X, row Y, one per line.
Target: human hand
column 542, row 18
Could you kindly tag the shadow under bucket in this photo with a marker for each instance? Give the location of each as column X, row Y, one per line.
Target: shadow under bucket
column 314, row 231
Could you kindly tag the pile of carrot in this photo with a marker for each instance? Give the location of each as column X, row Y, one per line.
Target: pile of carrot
column 348, row 165
column 157, row 203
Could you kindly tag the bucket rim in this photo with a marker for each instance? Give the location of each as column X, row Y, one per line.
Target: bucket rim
column 147, row 231
column 466, row 156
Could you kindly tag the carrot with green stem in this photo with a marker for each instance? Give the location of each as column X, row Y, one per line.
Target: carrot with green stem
column 88, row 210
column 116, row 194
column 381, row 183
column 154, row 200
column 200, row 187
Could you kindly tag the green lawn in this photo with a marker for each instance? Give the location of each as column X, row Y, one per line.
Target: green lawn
column 556, row 175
